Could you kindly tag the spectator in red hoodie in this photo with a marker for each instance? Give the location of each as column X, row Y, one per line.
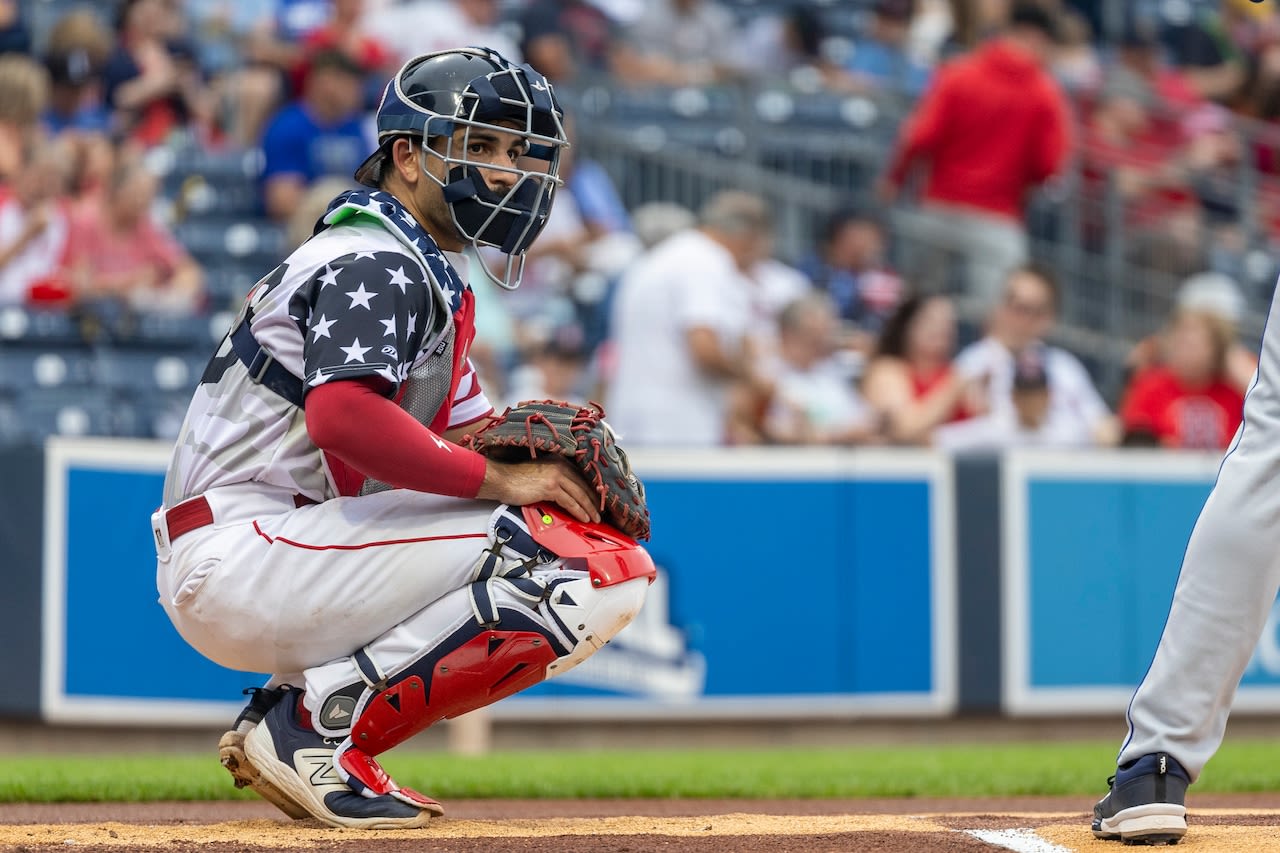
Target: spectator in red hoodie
column 993, row 126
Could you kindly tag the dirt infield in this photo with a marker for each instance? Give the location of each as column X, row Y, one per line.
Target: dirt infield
column 1031, row 825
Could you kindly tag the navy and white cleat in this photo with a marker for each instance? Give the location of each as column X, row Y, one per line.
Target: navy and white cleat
column 299, row 762
column 1146, row 804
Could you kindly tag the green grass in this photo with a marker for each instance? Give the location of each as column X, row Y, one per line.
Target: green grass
column 892, row 771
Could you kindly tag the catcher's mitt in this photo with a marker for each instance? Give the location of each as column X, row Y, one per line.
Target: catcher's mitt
column 579, row 433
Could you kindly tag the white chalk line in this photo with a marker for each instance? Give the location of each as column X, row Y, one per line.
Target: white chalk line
column 1019, row 840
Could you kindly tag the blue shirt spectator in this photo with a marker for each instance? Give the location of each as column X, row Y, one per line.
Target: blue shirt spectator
column 296, row 18
column 89, row 118
column 882, row 56
column 321, row 134
column 297, row 143
column 15, row 35
column 71, row 106
column 598, row 202
column 849, row 266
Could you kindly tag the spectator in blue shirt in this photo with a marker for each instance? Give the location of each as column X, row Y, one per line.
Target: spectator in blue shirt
column 322, row 133
column 601, row 207
column 74, row 103
column 849, row 266
column 881, row 58
column 15, row 35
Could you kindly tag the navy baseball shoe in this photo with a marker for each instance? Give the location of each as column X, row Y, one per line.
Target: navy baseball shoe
column 1146, row 804
column 298, row 762
column 231, row 751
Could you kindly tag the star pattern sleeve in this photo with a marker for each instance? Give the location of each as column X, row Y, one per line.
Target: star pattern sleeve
column 362, row 316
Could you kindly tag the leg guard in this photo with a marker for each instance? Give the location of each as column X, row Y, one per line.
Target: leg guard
column 526, row 616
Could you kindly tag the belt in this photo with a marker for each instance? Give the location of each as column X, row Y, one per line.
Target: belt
column 188, row 516
column 194, row 513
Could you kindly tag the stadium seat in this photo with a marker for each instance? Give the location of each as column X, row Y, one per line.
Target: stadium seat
column 37, row 326
column 204, row 238
column 45, row 412
column 671, row 105
column 214, row 241
column 37, row 367
column 227, row 284
column 11, row 428
column 196, row 196
column 146, row 371
column 218, row 166
column 172, row 331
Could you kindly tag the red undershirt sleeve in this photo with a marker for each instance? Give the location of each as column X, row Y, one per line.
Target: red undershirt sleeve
column 353, row 421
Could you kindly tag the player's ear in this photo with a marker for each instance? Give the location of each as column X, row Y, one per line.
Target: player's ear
column 404, row 156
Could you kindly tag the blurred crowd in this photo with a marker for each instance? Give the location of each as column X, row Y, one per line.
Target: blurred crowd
column 686, row 323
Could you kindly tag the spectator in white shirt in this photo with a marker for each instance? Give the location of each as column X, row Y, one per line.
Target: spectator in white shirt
column 414, row 27
column 814, row 400
column 682, row 327
column 1025, row 424
column 777, row 285
column 1076, row 415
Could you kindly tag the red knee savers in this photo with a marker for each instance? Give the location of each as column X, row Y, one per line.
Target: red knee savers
column 611, row 557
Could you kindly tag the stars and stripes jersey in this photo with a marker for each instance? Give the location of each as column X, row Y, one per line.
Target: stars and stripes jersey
column 369, row 295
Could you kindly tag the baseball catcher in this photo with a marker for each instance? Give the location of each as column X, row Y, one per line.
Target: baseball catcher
column 343, row 510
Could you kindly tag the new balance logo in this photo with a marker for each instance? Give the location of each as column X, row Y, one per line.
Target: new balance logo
column 316, row 766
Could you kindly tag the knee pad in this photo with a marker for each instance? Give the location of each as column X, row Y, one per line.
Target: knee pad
column 591, row 615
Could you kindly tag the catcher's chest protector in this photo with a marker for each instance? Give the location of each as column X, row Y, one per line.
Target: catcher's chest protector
column 426, row 391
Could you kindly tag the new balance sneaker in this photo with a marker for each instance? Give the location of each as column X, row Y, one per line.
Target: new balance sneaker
column 1146, row 804
column 231, row 751
column 298, row 762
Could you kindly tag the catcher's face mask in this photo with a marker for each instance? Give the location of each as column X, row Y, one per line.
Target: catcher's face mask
column 462, row 99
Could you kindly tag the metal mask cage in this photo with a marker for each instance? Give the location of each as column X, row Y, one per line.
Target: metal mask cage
column 502, row 102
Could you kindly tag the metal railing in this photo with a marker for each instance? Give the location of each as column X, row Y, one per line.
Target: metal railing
column 811, row 152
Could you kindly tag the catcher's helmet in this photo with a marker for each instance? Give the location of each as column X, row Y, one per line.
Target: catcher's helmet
column 437, row 95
